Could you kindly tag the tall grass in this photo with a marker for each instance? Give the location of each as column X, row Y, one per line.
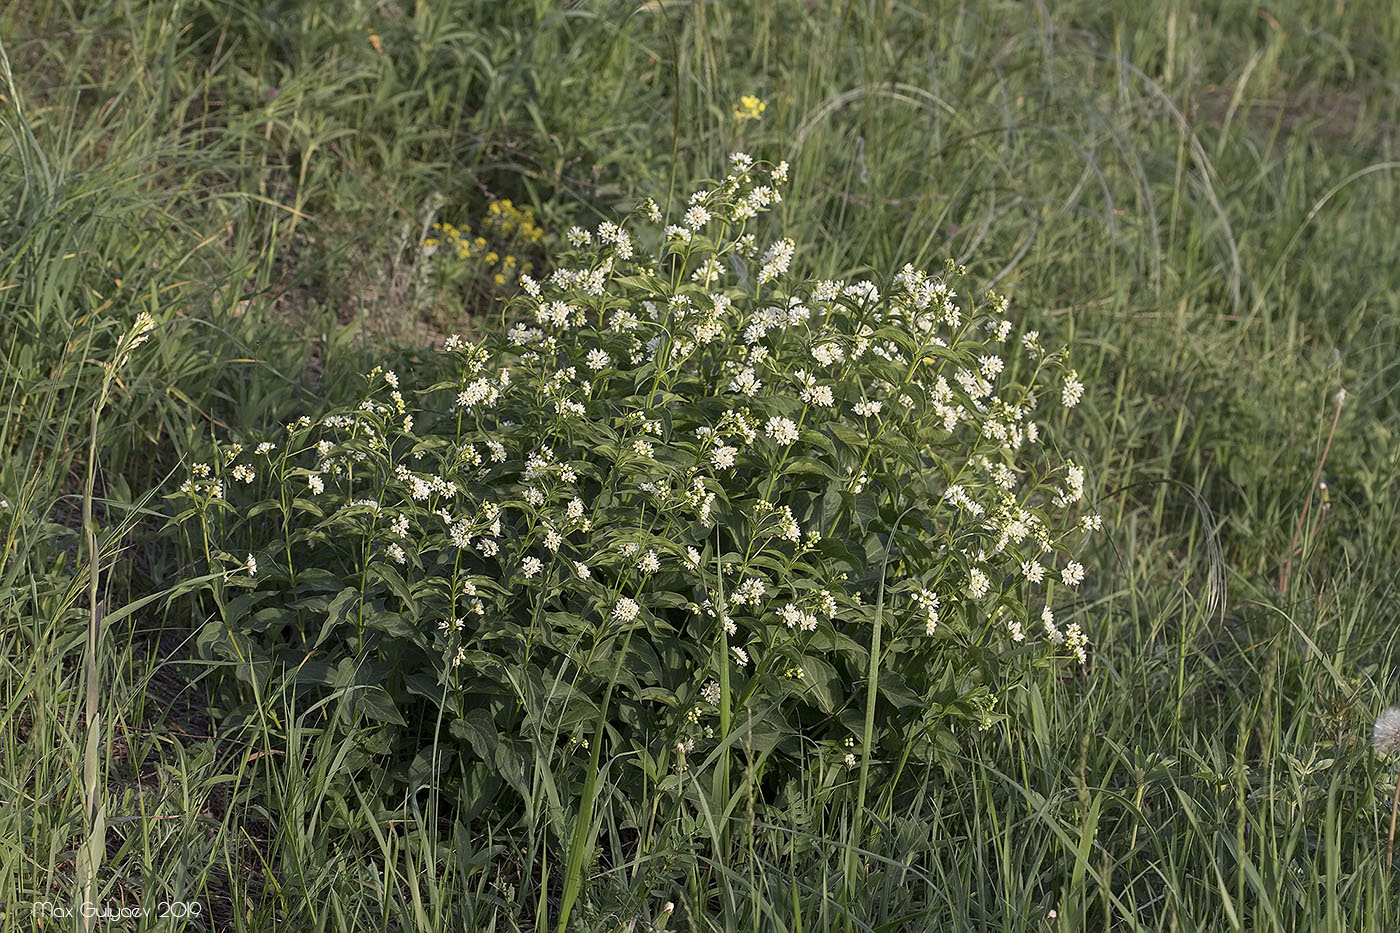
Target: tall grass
column 1199, row 198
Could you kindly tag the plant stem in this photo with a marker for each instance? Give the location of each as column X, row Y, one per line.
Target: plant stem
column 1307, row 503
column 1390, row 841
column 90, row 858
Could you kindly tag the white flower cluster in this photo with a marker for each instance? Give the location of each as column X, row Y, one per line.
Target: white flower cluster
column 202, row 484
column 699, row 425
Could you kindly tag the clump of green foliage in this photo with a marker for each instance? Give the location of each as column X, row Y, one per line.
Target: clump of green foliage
column 682, row 503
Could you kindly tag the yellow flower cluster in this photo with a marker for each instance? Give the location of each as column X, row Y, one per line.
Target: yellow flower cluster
column 462, row 245
column 513, row 222
column 508, row 226
column 750, row 108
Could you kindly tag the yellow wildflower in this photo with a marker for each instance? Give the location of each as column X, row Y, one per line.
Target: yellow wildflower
column 750, row 108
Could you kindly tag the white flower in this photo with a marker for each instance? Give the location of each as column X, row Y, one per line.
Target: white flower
column 741, row 657
column 692, row 557
column 569, row 408
column 625, row 609
column 746, row 382
column 828, row 353
column 575, row 509
column 1072, row 390
column 781, row 430
column 553, row 539
column 621, row 240
column 1033, row 570
column 1074, row 478
column 395, row 553
column 251, row 565
column 1074, row 637
column 696, row 217
column 977, row 583
column 788, row 527
column 266, row 447
column 749, row 591
column 643, row 449
column 819, row 395
column 776, row 260
column 723, row 457
column 244, row 472
column 597, row 359
column 478, row 392
column 315, row 483
column 581, row 569
column 1385, row 737
column 1073, row 574
column 795, row 618
column 530, row 566
column 461, row 535
column 868, row 408
column 649, row 563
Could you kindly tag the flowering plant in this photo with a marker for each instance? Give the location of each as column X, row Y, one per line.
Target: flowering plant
column 457, row 266
column 680, row 498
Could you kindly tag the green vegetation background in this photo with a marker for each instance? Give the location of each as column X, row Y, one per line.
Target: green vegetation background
column 1200, row 196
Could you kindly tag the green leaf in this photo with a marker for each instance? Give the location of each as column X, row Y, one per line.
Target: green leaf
column 821, row 682
column 808, row 466
column 479, row 730
column 849, row 436
column 374, row 701
column 339, row 611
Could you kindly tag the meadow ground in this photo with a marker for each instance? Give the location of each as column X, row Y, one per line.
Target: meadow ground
column 1198, row 197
